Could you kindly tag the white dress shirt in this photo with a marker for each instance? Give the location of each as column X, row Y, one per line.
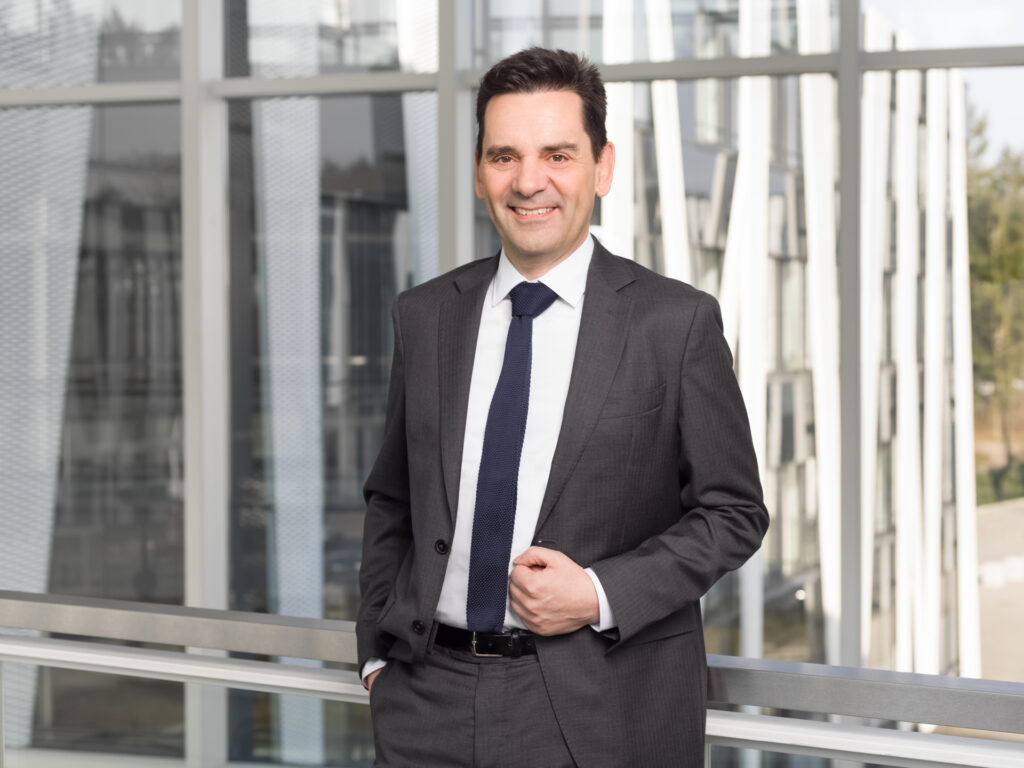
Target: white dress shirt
column 554, row 348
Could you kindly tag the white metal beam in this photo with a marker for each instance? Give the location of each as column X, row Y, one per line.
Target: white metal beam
column 907, row 440
column 968, row 620
column 456, row 138
column 874, row 224
column 675, row 236
column 817, row 114
column 618, row 208
column 935, row 393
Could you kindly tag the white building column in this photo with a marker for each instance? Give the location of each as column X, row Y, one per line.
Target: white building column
column 935, row 394
column 668, row 142
column 963, row 390
column 618, row 208
column 907, row 440
column 817, row 115
column 745, row 280
column 874, row 225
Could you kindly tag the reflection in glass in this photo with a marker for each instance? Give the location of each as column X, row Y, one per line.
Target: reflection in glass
column 77, row 42
column 272, row 39
column 676, row 29
column 91, row 449
column 729, row 185
column 333, row 214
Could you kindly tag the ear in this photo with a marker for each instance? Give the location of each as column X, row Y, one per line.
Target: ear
column 476, row 175
column 605, row 170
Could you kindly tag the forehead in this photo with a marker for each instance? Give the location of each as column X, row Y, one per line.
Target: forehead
column 542, row 116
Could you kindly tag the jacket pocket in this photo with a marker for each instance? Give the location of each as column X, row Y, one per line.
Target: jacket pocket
column 622, row 403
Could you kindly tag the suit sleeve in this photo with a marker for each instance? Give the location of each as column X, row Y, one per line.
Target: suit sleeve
column 722, row 513
column 387, row 528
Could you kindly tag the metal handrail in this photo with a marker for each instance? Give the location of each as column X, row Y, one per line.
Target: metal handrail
column 724, row 729
column 815, row 688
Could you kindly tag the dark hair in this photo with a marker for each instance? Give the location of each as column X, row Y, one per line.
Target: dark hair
column 539, row 69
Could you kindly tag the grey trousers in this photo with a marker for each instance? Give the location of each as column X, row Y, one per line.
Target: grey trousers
column 460, row 710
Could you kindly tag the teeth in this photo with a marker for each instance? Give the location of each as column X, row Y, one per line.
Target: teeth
column 532, row 211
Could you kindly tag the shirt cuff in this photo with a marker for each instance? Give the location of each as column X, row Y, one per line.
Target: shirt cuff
column 372, row 665
column 606, row 619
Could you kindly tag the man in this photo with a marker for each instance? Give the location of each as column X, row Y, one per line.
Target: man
column 566, row 469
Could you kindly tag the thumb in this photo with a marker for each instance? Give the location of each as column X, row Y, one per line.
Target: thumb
column 537, row 557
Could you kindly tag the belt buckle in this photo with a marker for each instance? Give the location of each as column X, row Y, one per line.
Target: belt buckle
column 472, row 646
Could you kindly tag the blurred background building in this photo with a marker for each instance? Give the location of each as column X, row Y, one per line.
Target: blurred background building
column 207, row 209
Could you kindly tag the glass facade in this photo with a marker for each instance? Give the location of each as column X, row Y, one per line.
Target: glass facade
column 949, row 23
column 335, row 203
column 326, row 229
column 633, row 31
column 77, row 42
column 268, row 39
column 92, row 475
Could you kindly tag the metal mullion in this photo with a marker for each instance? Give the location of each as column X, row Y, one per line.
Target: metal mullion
column 849, row 104
column 98, row 93
column 698, row 69
column 322, row 85
column 941, row 58
column 205, row 358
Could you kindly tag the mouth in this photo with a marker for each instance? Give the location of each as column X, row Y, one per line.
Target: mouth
column 531, row 212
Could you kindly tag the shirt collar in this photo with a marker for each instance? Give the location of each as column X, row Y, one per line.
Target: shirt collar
column 568, row 278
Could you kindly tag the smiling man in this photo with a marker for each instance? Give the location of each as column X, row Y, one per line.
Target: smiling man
column 566, row 469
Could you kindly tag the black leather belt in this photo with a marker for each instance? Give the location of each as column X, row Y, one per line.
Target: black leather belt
column 514, row 644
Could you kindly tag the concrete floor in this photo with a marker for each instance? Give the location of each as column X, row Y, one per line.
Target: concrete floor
column 1001, row 591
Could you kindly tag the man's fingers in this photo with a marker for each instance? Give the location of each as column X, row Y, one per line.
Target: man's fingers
column 370, row 678
column 535, row 557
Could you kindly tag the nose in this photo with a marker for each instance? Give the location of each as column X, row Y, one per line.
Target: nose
column 530, row 178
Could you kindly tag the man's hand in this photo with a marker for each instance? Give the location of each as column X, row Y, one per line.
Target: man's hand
column 552, row 594
column 371, row 677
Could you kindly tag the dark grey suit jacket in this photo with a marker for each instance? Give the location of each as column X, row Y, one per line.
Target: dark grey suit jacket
column 653, row 484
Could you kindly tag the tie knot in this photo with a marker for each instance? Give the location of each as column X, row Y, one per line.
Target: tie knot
column 530, row 299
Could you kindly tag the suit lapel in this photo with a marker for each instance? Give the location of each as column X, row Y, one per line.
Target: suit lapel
column 603, row 330
column 459, row 325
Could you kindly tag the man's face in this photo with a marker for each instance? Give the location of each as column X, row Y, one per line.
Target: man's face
column 538, row 176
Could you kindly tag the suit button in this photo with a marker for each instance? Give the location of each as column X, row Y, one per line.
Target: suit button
column 419, row 627
column 441, row 547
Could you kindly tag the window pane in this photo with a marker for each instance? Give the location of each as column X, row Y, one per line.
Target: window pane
column 995, row 189
column 673, row 29
column 333, row 212
column 91, row 449
column 52, row 43
column 266, row 38
column 919, row 24
column 704, row 193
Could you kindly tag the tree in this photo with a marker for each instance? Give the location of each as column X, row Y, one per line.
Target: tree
column 995, row 200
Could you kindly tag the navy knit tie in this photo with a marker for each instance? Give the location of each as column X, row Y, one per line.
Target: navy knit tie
column 496, row 489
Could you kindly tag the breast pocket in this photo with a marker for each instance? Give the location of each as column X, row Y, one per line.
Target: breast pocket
column 624, row 403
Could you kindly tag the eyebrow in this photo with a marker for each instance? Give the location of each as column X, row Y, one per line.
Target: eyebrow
column 565, row 146
column 492, row 152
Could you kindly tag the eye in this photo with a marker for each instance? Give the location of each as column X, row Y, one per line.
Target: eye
column 559, row 158
column 503, row 159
